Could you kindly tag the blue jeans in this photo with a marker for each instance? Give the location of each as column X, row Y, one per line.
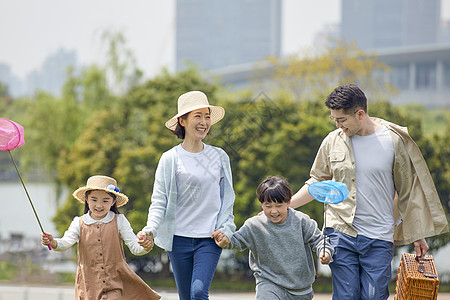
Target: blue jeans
column 361, row 267
column 194, row 261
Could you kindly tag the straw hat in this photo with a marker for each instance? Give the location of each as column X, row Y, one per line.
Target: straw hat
column 102, row 183
column 191, row 101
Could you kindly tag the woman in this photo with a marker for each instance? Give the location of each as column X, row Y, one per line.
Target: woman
column 192, row 196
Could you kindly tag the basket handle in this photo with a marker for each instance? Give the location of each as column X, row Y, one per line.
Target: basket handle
column 421, row 267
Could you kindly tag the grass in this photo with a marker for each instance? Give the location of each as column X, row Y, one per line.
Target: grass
column 433, row 121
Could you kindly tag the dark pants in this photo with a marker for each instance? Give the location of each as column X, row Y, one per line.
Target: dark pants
column 361, row 267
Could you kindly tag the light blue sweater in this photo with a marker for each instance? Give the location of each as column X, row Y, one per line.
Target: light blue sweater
column 161, row 213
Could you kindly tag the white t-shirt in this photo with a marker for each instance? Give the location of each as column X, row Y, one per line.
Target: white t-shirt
column 374, row 160
column 198, row 176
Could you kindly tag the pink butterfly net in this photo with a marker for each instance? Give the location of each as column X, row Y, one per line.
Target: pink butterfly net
column 11, row 137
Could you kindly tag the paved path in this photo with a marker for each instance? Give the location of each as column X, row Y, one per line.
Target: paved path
column 19, row 292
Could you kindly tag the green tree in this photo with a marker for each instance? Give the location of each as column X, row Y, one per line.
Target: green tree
column 306, row 77
column 121, row 68
column 53, row 124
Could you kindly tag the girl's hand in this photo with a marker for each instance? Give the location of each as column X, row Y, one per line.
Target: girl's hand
column 47, row 239
column 220, row 238
column 324, row 259
column 145, row 240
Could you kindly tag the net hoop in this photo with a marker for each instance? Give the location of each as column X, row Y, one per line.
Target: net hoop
column 328, row 191
column 11, row 135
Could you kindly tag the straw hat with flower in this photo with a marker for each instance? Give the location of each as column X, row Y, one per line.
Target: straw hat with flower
column 191, row 101
column 102, row 183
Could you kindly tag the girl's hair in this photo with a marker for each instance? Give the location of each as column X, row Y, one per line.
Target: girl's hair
column 274, row 189
column 113, row 207
column 179, row 130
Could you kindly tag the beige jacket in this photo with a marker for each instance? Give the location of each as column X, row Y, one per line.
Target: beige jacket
column 418, row 210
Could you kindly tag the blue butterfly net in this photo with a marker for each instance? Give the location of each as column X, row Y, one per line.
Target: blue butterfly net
column 328, row 191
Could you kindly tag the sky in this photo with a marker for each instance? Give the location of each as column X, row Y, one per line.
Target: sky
column 31, row 30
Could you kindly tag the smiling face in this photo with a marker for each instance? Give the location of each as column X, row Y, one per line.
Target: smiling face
column 197, row 124
column 276, row 212
column 99, row 202
column 349, row 123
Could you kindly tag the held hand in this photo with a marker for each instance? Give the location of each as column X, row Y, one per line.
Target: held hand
column 141, row 235
column 220, row 238
column 145, row 240
column 421, row 247
column 47, row 239
column 324, row 259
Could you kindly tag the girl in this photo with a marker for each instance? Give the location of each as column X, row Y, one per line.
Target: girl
column 102, row 270
column 192, row 195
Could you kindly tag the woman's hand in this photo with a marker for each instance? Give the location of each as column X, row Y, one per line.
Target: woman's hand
column 220, row 238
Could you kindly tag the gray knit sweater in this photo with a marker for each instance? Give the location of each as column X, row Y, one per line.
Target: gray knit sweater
column 281, row 253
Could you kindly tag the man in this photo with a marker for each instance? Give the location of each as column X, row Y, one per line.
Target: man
column 392, row 196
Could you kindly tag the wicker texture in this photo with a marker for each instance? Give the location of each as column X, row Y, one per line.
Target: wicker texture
column 414, row 285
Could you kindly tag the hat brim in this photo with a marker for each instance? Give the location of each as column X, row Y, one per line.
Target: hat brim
column 217, row 114
column 80, row 195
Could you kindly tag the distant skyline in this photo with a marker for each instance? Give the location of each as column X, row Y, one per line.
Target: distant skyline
column 32, row 30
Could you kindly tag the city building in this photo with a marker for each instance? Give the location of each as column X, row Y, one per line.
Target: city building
column 216, row 34
column 376, row 24
column 12, row 83
column 407, row 35
column 420, row 73
column 53, row 73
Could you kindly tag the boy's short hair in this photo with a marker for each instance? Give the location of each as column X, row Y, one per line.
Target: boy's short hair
column 274, row 189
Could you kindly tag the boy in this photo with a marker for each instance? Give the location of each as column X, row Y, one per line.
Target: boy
column 279, row 242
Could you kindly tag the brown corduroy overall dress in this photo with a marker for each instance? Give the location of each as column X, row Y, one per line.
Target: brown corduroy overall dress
column 102, row 270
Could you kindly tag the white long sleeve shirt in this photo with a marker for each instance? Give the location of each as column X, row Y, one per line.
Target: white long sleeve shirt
column 72, row 235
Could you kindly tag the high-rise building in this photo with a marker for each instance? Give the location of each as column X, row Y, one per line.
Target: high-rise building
column 218, row 33
column 53, row 73
column 375, row 24
column 10, row 81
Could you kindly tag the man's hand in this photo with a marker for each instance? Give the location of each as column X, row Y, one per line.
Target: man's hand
column 421, row 247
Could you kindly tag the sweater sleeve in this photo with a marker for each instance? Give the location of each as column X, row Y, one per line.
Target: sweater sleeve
column 314, row 236
column 241, row 239
column 225, row 222
column 159, row 197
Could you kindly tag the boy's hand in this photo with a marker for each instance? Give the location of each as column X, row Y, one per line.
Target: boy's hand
column 324, row 259
column 145, row 240
column 47, row 239
column 220, row 238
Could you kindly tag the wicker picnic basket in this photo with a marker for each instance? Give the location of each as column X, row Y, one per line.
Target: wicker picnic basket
column 417, row 279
